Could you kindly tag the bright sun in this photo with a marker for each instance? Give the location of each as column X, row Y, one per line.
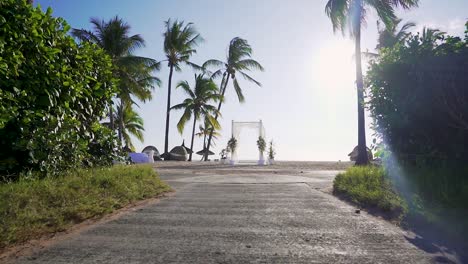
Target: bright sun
column 334, row 65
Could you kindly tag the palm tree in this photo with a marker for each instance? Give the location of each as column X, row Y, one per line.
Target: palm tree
column 351, row 14
column 179, row 45
column 134, row 72
column 197, row 104
column 238, row 61
column 132, row 123
column 204, row 131
column 430, row 36
column 389, row 36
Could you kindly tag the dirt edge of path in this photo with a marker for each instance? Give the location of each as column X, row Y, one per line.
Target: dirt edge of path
column 11, row 253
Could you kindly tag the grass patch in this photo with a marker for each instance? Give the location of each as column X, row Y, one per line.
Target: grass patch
column 368, row 187
column 30, row 208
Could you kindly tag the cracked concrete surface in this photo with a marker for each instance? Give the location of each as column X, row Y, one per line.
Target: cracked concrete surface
column 245, row 214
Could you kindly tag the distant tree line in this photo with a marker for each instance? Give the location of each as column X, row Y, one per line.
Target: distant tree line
column 68, row 96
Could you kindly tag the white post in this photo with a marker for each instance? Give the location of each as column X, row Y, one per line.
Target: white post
column 232, row 161
column 261, row 160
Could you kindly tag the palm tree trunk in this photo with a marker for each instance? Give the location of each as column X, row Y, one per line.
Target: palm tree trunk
column 111, row 116
column 121, row 124
column 193, row 136
column 223, row 90
column 362, row 158
column 166, row 140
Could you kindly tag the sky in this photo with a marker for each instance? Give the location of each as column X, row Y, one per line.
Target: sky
column 307, row 101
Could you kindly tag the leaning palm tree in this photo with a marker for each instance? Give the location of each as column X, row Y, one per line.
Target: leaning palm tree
column 133, row 72
column 179, row 45
column 204, row 131
column 351, row 14
column 390, row 36
column 238, row 61
column 132, row 123
column 198, row 104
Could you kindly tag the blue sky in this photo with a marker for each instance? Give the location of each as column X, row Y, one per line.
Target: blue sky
column 308, row 100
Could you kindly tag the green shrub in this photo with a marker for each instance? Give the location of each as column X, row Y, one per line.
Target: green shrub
column 31, row 207
column 53, row 92
column 417, row 96
column 369, row 187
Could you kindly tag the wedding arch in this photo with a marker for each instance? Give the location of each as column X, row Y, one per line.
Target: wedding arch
column 236, row 129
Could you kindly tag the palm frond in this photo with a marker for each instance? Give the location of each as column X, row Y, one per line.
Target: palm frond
column 183, row 120
column 238, row 90
column 247, row 77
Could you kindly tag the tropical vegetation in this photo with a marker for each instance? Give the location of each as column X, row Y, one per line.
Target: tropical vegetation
column 416, row 95
column 56, row 148
column 197, row 105
column 369, row 187
column 261, row 144
column 271, row 151
column 50, row 122
column 130, row 123
column 238, row 62
column 232, row 145
column 204, row 131
column 350, row 15
column 180, row 41
column 33, row 207
column 133, row 72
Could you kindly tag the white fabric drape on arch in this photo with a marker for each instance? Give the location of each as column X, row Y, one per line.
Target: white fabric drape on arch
column 236, row 131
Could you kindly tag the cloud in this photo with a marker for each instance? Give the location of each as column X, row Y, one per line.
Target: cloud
column 454, row 27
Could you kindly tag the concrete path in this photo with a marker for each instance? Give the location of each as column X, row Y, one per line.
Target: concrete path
column 240, row 215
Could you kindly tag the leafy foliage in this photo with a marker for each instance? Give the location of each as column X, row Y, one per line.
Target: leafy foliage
column 418, row 97
column 271, row 151
column 135, row 73
column 34, row 207
column 53, row 91
column 232, row 144
column 351, row 15
column 198, row 104
column 238, row 62
column 390, row 36
column 369, row 186
column 179, row 45
column 261, row 144
column 130, row 122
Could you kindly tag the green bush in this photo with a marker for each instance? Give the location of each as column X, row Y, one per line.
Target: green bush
column 417, row 98
column 33, row 207
column 53, row 92
column 369, row 187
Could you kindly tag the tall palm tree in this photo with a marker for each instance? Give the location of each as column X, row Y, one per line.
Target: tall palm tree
column 390, row 36
column 198, row 104
column 132, row 123
column 134, row 72
column 238, row 61
column 179, row 45
column 351, row 14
